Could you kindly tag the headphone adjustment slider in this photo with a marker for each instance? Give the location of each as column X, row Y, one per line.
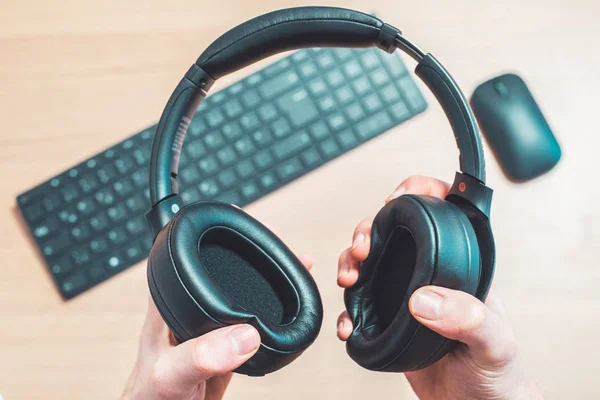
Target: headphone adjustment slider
column 160, row 214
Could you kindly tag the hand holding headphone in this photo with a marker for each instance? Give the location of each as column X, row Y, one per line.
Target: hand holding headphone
column 212, row 265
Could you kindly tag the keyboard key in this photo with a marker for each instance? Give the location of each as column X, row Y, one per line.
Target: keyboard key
column 99, row 245
column 373, row 125
column 96, row 272
column 390, row 94
column 114, row 262
column 346, row 139
column 33, row 212
column 87, row 184
column 352, row 69
column 311, row 158
column 245, row 169
column 276, row 68
column 335, row 78
column 86, row 206
column 372, row 103
column 299, row 107
column 327, row 103
column 317, row 87
column 80, row 256
column 214, row 140
column 361, row 85
column 308, row 70
column 136, row 226
column 291, row 145
column 250, row 122
column 137, row 203
column 69, row 193
column 215, row 118
column 400, row 112
column 139, row 178
column 81, row 233
column 279, row 84
column 195, row 149
column 209, row 188
column 267, row 112
column 268, row 181
column 117, row 236
column 208, row 166
column 250, row 190
column 329, row 149
column 250, row 98
column 290, row 169
column 369, row 60
column 227, row 178
column 226, row 156
column 74, row 282
column 124, row 164
column 263, row 160
column 236, row 88
column 262, row 137
column 232, row 131
column 51, row 202
column 47, row 227
column 133, row 252
column 233, row 108
column 254, row 80
column 123, row 187
column 299, row 55
column 99, row 222
column 117, row 213
column 354, row 112
column 197, row 126
column 106, row 174
column 244, row 146
column 343, row 53
column 337, row 121
column 325, row 61
column 379, row 77
column 281, row 128
column 319, row 131
column 189, row 175
column 63, row 266
column 57, row 245
column 344, row 94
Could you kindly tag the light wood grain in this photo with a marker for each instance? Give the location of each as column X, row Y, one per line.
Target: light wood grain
column 78, row 76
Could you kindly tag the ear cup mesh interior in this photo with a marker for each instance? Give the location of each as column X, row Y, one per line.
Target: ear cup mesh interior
column 246, row 275
column 390, row 282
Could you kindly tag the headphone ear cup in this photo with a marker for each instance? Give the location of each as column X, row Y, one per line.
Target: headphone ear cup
column 213, row 265
column 415, row 241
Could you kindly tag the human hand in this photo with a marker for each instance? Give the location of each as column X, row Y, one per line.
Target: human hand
column 485, row 364
column 199, row 369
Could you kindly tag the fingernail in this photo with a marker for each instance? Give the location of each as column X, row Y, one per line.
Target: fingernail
column 245, row 338
column 358, row 240
column 340, row 326
column 427, row 304
column 344, row 269
column 397, row 193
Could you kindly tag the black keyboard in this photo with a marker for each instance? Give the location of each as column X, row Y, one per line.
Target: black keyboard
column 248, row 140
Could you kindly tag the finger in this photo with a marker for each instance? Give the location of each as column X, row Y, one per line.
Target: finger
column 421, row 185
column 460, row 316
column 361, row 240
column 344, row 326
column 347, row 270
column 306, row 261
column 182, row 368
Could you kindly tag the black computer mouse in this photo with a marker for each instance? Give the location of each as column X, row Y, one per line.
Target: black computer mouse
column 515, row 128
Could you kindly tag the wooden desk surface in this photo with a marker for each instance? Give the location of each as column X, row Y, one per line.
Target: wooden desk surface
column 78, row 76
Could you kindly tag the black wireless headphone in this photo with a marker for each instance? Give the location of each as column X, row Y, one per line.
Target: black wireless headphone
column 212, row 265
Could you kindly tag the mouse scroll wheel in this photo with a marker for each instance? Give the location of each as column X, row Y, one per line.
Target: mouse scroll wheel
column 501, row 89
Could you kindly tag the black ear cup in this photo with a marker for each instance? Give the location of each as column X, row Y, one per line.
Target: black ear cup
column 213, row 265
column 415, row 241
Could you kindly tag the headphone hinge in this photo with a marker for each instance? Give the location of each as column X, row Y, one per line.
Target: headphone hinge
column 161, row 213
column 386, row 40
column 467, row 189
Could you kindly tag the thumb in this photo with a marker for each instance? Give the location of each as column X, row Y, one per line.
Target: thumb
column 183, row 367
column 459, row 316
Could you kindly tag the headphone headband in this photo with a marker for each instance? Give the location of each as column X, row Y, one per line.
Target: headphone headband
column 286, row 30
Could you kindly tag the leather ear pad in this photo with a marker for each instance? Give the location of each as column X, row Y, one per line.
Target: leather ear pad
column 287, row 29
column 415, row 241
column 213, row 265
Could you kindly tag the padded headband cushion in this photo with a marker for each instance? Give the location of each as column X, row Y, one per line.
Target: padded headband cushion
column 240, row 273
column 417, row 241
column 288, row 29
